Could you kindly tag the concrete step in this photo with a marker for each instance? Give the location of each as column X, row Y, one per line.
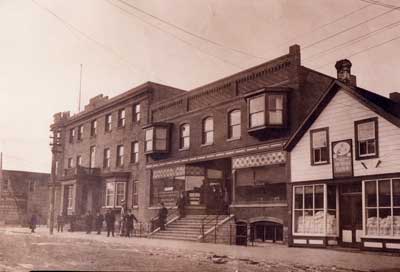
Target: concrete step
column 178, row 233
column 162, row 235
column 183, row 231
column 174, row 238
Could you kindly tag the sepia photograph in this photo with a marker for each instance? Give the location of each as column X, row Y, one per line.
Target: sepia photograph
column 200, row 135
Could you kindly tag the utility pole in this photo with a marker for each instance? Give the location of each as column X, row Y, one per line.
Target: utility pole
column 54, row 144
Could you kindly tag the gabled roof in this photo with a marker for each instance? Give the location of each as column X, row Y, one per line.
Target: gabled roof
column 381, row 105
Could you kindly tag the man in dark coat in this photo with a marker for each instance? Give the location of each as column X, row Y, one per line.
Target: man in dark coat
column 162, row 215
column 89, row 222
column 110, row 222
column 129, row 218
column 33, row 222
column 99, row 222
column 181, row 205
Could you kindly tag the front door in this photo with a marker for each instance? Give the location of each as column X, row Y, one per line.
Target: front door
column 350, row 216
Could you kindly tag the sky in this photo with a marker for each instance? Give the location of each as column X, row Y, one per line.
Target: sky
column 182, row 43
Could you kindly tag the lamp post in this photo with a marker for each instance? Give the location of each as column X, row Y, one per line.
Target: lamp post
column 54, row 144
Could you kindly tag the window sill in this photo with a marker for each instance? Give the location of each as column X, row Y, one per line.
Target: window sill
column 319, row 163
column 361, row 158
column 207, row 144
column 233, row 139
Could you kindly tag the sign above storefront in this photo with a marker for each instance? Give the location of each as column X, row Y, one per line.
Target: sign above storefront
column 342, row 158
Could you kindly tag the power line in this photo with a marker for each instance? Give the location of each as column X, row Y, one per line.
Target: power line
column 349, row 28
column 74, row 29
column 189, row 32
column 355, row 40
column 364, row 50
column 378, row 3
column 175, row 36
column 312, row 31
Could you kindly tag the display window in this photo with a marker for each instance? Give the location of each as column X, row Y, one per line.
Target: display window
column 382, row 207
column 315, row 210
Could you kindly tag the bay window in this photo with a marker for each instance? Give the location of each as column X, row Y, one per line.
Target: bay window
column 315, row 210
column 267, row 109
column 115, row 193
column 382, row 207
column 366, row 135
column 157, row 138
column 319, row 146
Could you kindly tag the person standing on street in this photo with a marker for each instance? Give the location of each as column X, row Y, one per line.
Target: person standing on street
column 162, row 215
column 89, row 222
column 129, row 218
column 99, row 222
column 181, row 204
column 33, row 222
column 110, row 222
column 60, row 223
column 72, row 219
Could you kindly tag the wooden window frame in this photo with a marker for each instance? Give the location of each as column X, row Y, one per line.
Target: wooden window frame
column 80, row 133
column 182, row 137
column 229, row 133
column 153, row 139
column 106, row 160
column 204, row 132
column 312, row 158
column 108, row 124
column 92, row 156
column 356, row 142
column 134, row 155
column 121, row 118
column 136, row 115
column 120, row 157
column 93, row 128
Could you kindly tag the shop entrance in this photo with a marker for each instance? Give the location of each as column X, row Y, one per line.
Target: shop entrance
column 350, row 215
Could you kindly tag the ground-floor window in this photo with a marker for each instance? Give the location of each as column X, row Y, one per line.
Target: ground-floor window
column 115, row 193
column 382, row 207
column 166, row 190
column 265, row 231
column 315, row 209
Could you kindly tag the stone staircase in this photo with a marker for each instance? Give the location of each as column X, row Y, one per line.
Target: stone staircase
column 188, row 228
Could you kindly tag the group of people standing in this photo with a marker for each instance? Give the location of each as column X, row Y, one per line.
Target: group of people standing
column 95, row 222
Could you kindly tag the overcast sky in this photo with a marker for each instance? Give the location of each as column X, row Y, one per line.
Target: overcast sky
column 182, row 43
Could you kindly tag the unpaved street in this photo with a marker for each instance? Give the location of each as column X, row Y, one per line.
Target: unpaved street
column 22, row 251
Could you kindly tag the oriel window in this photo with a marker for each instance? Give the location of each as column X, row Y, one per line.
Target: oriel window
column 257, row 111
column 275, row 109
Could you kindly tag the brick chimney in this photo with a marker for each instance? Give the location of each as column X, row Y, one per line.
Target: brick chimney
column 343, row 68
column 395, row 96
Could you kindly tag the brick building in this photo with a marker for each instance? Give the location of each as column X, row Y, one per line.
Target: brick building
column 221, row 145
column 21, row 194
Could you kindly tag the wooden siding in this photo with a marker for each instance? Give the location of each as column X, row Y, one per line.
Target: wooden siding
column 339, row 116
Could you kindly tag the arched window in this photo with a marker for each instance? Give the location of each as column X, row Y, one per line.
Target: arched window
column 208, row 131
column 234, row 126
column 184, row 136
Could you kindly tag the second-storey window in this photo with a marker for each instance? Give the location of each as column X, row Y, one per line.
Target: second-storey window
column 121, row 118
column 136, row 113
column 120, row 155
column 156, row 139
column 319, row 146
column 184, row 136
column 80, row 132
column 106, row 158
column 257, row 111
column 93, row 128
column 366, row 134
column 108, row 122
column 134, row 152
column 208, row 131
column 92, row 156
column 234, row 126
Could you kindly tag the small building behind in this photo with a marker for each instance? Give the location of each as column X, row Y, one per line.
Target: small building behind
column 22, row 194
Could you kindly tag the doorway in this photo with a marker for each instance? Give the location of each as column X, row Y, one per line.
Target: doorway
column 351, row 215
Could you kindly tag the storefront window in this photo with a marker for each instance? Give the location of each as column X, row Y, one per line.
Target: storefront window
column 382, row 207
column 311, row 216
